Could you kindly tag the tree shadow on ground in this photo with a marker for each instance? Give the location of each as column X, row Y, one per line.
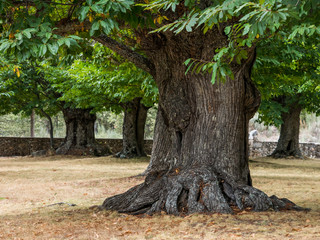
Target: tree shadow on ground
column 280, row 165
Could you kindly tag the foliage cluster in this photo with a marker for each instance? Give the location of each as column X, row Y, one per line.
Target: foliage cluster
column 31, row 29
column 287, row 73
column 41, row 36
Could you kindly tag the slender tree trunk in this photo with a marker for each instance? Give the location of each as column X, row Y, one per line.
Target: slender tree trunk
column 32, row 124
column 51, row 133
column 80, row 137
column 199, row 160
column 135, row 116
column 50, row 128
column 288, row 143
column 141, row 124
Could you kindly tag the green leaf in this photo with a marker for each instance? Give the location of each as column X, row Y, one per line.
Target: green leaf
column 48, row 35
column 97, row 8
column 61, row 41
column 106, row 27
column 83, row 13
column 18, row 36
column 35, row 50
column 75, row 37
column 221, row 15
column 238, row 59
column 187, row 61
column 53, row 48
column 205, row 29
column 43, row 50
column 4, row 46
column 95, row 27
column 227, row 30
column 67, row 42
column 192, row 21
column 26, row 33
column 45, row 27
column 190, row 65
column 194, row 69
column 246, row 29
column 214, row 73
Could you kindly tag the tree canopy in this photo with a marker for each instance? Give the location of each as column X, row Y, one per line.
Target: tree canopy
column 39, row 29
column 104, row 81
column 25, row 88
column 289, row 71
column 100, row 82
column 287, row 75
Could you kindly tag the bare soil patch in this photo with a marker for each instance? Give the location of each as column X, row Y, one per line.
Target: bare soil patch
column 28, row 187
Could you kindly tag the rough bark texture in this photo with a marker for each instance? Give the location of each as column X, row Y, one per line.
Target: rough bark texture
column 80, row 138
column 199, row 160
column 135, row 116
column 288, row 143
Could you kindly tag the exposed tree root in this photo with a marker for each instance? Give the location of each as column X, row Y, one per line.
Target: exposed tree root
column 193, row 191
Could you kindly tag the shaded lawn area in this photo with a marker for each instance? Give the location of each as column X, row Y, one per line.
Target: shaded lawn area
column 28, row 187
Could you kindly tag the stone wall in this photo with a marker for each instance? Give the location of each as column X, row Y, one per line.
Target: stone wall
column 10, row 146
column 261, row 149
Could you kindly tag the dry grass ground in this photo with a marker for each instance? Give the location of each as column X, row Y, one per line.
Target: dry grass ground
column 29, row 185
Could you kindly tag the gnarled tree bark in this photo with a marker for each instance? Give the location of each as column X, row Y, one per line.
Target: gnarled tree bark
column 199, row 160
column 135, row 116
column 80, row 137
column 288, row 143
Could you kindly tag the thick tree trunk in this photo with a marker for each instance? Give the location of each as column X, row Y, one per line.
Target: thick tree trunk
column 199, row 160
column 288, row 143
column 80, row 138
column 135, row 116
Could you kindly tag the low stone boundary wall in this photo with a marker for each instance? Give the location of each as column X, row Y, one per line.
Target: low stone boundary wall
column 262, row 149
column 12, row 146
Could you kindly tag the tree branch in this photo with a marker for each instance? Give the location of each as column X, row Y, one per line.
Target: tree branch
column 127, row 53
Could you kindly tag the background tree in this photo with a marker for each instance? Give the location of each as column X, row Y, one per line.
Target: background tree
column 33, row 88
column 200, row 154
column 79, row 121
column 96, row 81
column 287, row 75
column 106, row 81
